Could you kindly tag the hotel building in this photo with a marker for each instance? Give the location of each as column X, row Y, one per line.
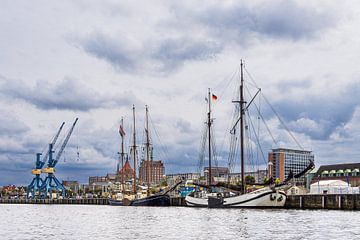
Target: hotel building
column 283, row 160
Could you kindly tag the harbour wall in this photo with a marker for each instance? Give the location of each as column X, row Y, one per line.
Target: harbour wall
column 324, row 201
column 174, row 201
column 82, row 201
column 321, row 201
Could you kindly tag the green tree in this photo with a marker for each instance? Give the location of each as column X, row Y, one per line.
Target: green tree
column 249, row 179
column 163, row 183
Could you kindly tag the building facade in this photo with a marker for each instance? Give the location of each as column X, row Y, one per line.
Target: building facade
column 173, row 178
column 347, row 172
column 282, row 161
column 219, row 174
column 126, row 171
column 259, row 176
column 151, row 172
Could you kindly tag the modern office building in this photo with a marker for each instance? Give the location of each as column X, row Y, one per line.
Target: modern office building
column 283, row 160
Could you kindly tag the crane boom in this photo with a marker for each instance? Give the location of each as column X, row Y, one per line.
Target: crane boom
column 53, row 142
column 65, row 142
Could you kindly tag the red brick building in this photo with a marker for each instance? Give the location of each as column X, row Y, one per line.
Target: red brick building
column 127, row 171
column 154, row 169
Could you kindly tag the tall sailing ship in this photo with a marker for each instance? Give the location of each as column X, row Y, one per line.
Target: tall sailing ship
column 235, row 196
column 137, row 198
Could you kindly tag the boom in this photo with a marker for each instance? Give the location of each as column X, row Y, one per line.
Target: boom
column 65, row 142
column 53, row 142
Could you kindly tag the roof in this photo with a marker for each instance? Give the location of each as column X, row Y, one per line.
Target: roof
column 330, row 182
column 111, row 176
column 126, row 168
column 336, row 167
column 153, row 163
column 217, row 169
column 289, row 150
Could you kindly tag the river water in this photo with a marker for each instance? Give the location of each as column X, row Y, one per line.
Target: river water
column 109, row 222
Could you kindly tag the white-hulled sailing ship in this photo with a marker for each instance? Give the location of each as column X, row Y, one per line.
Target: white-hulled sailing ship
column 267, row 197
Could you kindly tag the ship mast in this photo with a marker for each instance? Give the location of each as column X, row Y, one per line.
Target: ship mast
column 122, row 156
column 134, row 149
column 148, row 161
column 242, row 112
column 209, row 132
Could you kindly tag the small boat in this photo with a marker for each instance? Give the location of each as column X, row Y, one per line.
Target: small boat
column 187, row 189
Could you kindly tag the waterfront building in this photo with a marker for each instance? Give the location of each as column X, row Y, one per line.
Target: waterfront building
column 96, row 180
column 347, row 172
column 296, row 190
column 71, row 185
column 282, row 161
column 171, row 179
column 125, row 171
column 151, row 172
column 332, row 187
column 219, row 174
column 259, row 176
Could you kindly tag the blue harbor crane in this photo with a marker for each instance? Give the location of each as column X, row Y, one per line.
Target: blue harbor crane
column 33, row 189
column 51, row 182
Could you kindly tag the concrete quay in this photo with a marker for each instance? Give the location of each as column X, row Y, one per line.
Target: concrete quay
column 174, row 201
column 82, row 201
column 324, row 201
column 320, row 201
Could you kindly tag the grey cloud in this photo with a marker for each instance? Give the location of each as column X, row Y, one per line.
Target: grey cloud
column 115, row 51
column 68, row 94
column 151, row 56
column 320, row 115
column 173, row 53
column 279, row 19
column 10, row 125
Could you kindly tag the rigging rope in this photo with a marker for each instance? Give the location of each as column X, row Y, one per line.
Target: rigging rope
column 277, row 115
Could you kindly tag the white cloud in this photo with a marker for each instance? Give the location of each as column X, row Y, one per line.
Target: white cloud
column 95, row 59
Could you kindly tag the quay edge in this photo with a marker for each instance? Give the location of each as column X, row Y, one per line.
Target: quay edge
column 309, row 201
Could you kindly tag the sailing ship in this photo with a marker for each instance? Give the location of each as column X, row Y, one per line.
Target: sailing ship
column 159, row 199
column 269, row 196
column 137, row 198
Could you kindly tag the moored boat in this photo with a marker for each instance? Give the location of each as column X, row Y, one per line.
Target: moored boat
column 265, row 197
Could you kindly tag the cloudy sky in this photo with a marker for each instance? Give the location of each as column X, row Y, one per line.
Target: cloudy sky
column 93, row 59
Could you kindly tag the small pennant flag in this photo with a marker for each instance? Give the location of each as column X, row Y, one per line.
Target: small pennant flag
column 214, row 97
column 121, row 131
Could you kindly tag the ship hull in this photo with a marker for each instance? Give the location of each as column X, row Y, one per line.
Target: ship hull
column 263, row 198
column 114, row 202
column 152, row 201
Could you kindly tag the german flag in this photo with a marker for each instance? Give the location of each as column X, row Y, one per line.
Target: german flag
column 214, row 97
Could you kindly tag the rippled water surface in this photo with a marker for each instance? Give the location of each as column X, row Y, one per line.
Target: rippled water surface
column 108, row 222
